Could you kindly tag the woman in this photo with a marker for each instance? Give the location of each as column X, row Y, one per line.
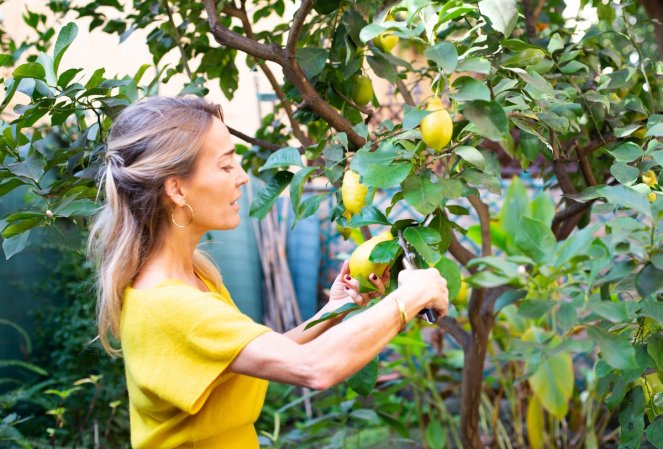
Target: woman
column 196, row 367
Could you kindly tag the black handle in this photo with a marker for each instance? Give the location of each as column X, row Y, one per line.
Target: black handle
column 429, row 315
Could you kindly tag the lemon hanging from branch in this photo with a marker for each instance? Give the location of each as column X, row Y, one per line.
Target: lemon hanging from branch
column 353, row 192
column 361, row 266
column 437, row 127
column 362, row 90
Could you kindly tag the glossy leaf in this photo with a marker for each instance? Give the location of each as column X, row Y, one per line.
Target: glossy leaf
column 266, row 198
column 616, row 350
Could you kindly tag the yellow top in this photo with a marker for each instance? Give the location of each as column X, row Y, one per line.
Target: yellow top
column 177, row 342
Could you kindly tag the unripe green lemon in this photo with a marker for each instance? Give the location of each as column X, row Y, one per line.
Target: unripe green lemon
column 436, row 127
column 386, row 41
column 362, row 90
column 360, row 265
column 353, row 193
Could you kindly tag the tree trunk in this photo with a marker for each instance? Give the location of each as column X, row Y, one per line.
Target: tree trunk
column 475, row 356
column 654, row 10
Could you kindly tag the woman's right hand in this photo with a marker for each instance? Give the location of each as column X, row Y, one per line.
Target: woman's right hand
column 427, row 286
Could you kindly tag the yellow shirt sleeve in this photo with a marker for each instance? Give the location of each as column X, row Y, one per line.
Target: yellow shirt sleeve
column 181, row 340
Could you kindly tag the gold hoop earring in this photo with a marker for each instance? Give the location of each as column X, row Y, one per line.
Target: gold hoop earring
column 172, row 217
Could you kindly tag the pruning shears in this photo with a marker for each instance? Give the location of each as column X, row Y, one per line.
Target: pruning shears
column 430, row 315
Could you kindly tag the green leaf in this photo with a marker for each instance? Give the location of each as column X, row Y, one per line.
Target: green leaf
column 436, row 435
column 470, row 89
column 529, row 56
column 535, row 239
column 624, row 173
column 47, row 63
column 503, row 14
column 348, row 307
column 365, row 379
column 370, row 31
column 615, row 312
column 79, row 208
column 556, row 43
column 535, row 81
column 384, row 155
column 655, row 349
column 386, row 176
column 620, row 195
column 285, row 157
column 517, row 45
column 14, row 245
column 489, row 119
column 632, row 419
column 543, row 209
column 649, row 280
column 515, row 207
column 29, row 70
column 383, row 68
column 472, row 156
column 576, row 244
column 552, row 382
column 476, row 65
column 617, row 350
column 655, row 432
column 487, row 279
column 420, row 238
column 65, row 37
column 312, row 61
column 450, row 271
column 309, row 206
column 369, row 215
column 21, row 226
column 297, row 185
column 412, row 116
column 30, row 168
column 627, row 152
column 444, row 54
column 266, row 198
column 385, row 252
column 422, row 194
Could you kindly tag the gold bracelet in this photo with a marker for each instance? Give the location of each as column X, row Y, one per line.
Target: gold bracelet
column 401, row 311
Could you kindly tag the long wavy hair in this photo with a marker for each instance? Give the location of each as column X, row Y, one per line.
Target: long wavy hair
column 149, row 141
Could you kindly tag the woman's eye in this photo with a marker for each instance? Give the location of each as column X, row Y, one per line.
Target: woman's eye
column 227, row 168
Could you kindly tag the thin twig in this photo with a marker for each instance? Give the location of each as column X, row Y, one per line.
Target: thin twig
column 176, row 36
column 484, row 220
column 252, row 140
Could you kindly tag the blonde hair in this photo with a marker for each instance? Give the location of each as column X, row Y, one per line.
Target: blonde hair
column 149, row 141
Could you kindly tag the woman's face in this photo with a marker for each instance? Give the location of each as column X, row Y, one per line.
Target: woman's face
column 213, row 190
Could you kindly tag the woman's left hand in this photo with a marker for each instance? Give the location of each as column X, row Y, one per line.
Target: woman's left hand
column 345, row 288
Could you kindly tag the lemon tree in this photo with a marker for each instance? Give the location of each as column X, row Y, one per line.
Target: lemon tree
column 485, row 92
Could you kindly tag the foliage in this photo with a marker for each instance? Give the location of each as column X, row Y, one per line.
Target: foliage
column 77, row 390
column 573, row 272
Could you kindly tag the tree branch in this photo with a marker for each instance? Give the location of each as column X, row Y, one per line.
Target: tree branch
column 586, row 169
column 451, row 326
column 484, row 220
column 530, row 19
column 252, row 140
column 229, row 38
column 297, row 24
column 176, row 36
column 402, row 88
column 287, row 106
column 460, row 253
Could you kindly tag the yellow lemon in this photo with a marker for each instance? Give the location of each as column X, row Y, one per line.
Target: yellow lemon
column 360, row 265
column 651, row 197
column 362, row 90
column 386, row 41
column 436, row 127
column 640, row 133
column 649, row 178
column 461, row 297
column 353, row 192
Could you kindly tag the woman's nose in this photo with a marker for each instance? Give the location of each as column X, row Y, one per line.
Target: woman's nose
column 242, row 178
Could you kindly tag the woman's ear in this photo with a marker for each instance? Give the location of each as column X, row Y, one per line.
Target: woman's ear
column 173, row 189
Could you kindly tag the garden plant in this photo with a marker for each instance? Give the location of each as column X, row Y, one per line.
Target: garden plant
column 555, row 338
